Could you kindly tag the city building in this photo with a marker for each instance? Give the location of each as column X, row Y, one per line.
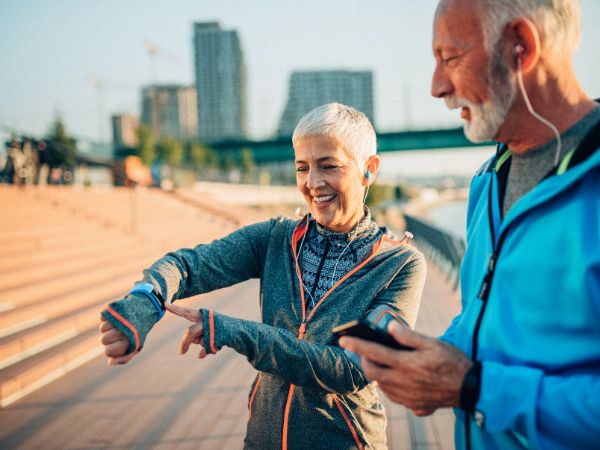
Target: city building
column 309, row 89
column 170, row 110
column 220, row 83
column 124, row 130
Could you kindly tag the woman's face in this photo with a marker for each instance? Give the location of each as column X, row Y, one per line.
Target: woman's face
column 331, row 182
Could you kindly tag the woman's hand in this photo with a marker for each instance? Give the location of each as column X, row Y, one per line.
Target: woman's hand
column 115, row 343
column 195, row 333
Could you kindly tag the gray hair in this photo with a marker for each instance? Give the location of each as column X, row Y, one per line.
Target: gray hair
column 350, row 127
column 557, row 21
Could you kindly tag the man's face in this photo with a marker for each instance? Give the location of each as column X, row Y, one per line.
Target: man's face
column 467, row 76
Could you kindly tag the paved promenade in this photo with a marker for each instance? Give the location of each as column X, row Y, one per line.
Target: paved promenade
column 160, row 400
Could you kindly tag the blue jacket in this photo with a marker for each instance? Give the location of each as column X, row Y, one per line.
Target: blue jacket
column 539, row 336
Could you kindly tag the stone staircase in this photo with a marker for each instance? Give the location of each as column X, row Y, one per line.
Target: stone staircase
column 64, row 253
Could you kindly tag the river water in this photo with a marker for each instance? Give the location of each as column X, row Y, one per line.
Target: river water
column 451, row 217
column 415, row 165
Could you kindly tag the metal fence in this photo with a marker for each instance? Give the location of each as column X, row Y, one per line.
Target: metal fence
column 442, row 248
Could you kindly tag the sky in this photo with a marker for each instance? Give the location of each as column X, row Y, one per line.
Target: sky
column 49, row 50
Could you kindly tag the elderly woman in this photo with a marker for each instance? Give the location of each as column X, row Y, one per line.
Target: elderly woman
column 332, row 266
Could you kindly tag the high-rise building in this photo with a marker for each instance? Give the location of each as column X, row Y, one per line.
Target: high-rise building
column 170, row 110
column 124, row 129
column 309, row 89
column 220, row 83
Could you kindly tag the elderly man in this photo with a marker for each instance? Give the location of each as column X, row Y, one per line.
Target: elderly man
column 521, row 363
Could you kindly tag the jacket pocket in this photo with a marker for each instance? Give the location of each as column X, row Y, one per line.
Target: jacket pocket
column 254, row 390
column 351, row 427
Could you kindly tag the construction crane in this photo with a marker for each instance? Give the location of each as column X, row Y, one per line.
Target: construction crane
column 153, row 52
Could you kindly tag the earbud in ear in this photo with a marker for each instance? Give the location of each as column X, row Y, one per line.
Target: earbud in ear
column 368, row 175
column 519, row 50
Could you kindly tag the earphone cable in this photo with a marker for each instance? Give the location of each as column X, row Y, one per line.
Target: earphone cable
column 536, row 115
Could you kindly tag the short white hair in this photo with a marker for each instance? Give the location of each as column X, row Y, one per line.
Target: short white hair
column 556, row 20
column 350, row 127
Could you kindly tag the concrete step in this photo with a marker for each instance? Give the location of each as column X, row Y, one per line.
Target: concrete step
column 56, row 241
column 73, row 298
column 67, row 267
column 20, row 379
column 48, row 256
column 20, row 346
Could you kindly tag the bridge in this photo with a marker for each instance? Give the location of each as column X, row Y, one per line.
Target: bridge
column 280, row 149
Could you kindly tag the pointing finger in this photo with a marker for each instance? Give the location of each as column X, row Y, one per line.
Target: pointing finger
column 193, row 315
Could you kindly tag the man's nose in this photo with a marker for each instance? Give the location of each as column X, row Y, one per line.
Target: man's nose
column 441, row 86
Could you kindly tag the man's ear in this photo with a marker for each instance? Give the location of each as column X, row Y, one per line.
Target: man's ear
column 524, row 43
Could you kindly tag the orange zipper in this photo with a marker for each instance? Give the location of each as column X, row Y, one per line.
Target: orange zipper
column 298, row 233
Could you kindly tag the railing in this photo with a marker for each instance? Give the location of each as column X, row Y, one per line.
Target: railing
column 443, row 249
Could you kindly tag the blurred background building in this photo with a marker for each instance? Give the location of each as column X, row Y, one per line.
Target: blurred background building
column 309, row 89
column 220, row 83
column 170, row 110
column 124, row 127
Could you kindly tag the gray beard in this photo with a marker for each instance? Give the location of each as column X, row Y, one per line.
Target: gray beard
column 487, row 118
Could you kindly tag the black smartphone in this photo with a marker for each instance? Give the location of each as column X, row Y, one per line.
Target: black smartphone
column 365, row 330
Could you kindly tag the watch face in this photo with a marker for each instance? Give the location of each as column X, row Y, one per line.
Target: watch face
column 146, row 287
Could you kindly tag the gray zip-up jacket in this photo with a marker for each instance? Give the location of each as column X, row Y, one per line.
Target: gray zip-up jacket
column 309, row 392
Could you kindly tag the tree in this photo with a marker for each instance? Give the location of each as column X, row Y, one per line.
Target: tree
column 169, row 150
column 196, row 155
column 62, row 148
column 248, row 167
column 146, row 144
column 379, row 193
column 227, row 162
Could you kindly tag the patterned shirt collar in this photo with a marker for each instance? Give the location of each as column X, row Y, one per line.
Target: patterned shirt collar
column 365, row 227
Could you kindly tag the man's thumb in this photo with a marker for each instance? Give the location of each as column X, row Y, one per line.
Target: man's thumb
column 405, row 335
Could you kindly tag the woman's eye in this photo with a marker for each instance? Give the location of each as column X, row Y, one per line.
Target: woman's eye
column 301, row 169
column 330, row 167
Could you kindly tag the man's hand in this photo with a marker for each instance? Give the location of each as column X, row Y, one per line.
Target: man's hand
column 423, row 380
column 195, row 333
column 115, row 343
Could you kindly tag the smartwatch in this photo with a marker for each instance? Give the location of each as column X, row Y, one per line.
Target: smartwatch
column 150, row 292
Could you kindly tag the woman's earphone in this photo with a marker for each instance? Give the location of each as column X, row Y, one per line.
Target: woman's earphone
column 368, row 175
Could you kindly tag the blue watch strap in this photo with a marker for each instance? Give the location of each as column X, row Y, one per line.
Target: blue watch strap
column 150, row 293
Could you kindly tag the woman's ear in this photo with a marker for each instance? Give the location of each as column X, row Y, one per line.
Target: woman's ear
column 372, row 167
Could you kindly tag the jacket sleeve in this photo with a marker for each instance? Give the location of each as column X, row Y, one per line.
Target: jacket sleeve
column 402, row 296
column 280, row 352
column 224, row 262
column 546, row 409
column 191, row 271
